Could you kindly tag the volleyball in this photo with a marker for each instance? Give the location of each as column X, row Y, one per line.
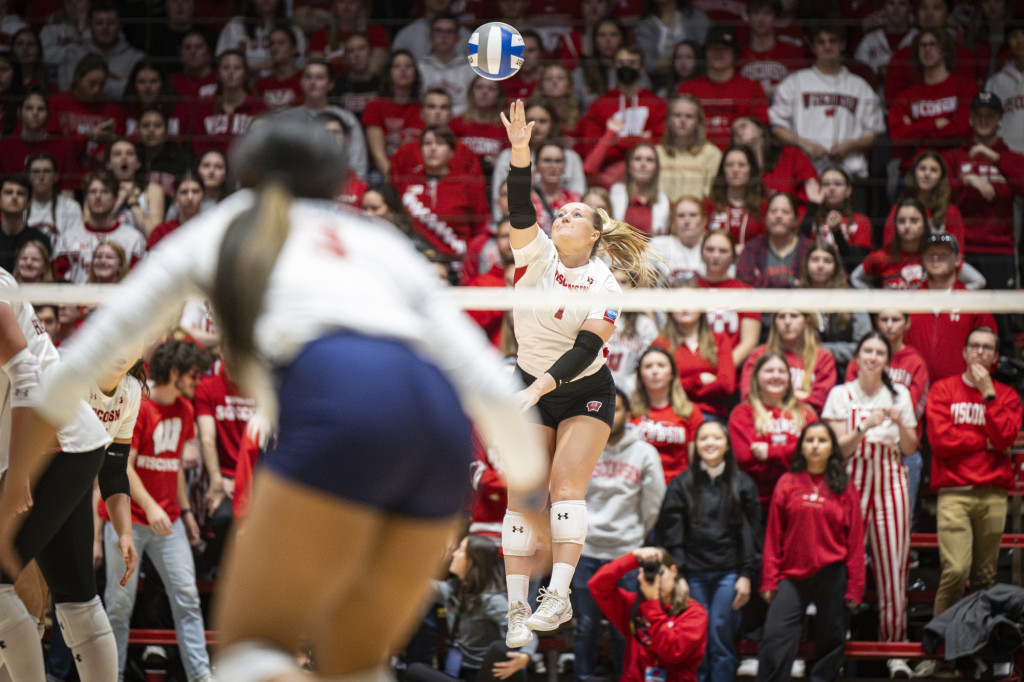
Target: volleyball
column 496, row 51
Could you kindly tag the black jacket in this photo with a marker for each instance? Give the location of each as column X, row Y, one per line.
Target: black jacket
column 986, row 623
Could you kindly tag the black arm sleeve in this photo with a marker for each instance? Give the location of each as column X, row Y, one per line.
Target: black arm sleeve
column 521, row 213
column 114, row 474
column 578, row 358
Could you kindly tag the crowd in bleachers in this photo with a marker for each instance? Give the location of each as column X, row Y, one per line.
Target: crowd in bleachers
column 760, row 144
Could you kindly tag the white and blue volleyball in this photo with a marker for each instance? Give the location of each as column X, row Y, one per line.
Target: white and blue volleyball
column 496, row 51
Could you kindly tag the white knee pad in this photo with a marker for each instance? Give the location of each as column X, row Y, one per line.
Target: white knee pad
column 253, row 662
column 518, row 537
column 81, row 622
column 569, row 521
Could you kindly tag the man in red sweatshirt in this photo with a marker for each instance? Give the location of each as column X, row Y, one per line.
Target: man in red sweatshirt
column 972, row 422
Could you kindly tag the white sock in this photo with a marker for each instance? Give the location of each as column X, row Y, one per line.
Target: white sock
column 20, row 650
column 561, row 577
column 518, row 588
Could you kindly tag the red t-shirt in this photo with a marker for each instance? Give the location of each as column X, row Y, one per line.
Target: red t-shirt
column 280, row 94
column 725, row 102
column 670, row 434
column 318, row 42
column 790, row 174
column 771, row 66
column 211, row 128
column 486, row 140
column 727, row 322
column 913, row 115
column 690, row 365
column 891, row 272
column 220, row 399
column 407, row 162
column 401, row 122
column 741, row 223
column 191, row 90
column 161, row 432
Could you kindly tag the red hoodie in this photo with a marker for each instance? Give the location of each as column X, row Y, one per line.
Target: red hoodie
column 988, row 225
column 940, row 337
column 913, row 115
column 780, row 434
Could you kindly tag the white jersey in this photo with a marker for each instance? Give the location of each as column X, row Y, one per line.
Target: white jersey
column 847, row 402
column 79, row 241
column 54, row 221
column 1008, row 85
column 545, row 333
column 119, row 411
column 678, row 261
column 624, row 350
column 82, row 431
column 335, row 272
column 875, row 51
column 828, row 110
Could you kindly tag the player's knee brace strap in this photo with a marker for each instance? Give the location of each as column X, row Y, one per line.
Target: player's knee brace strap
column 81, row 622
column 253, row 662
column 569, row 521
column 518, row 537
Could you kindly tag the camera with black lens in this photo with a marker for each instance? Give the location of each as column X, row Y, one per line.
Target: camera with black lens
column 651, row 569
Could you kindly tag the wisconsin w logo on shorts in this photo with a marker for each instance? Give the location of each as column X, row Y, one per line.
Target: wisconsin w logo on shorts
column 594, row 406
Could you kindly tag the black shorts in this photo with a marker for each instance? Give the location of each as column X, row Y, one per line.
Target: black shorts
column 591, row 396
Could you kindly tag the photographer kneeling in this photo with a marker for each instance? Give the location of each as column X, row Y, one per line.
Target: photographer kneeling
column 665, row 631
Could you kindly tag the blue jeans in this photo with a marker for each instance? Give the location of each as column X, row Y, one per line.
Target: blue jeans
column 172, row 557
column 716, row 592
column 588, row 620
column 914, row 464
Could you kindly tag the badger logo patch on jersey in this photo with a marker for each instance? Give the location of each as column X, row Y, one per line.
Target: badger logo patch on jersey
column 594, row 406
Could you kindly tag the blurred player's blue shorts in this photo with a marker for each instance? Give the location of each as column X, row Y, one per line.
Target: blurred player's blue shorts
column 371, row 421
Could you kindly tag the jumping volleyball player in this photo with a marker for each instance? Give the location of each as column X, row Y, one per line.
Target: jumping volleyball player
column 371, row 367
column 561, row 363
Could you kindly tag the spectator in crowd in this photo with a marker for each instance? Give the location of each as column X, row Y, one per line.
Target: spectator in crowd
column 986, row 177
column 148, row 87
column 837, row 331
column 85, row 116
column 972, row 421
column 634, row 333
column 448, row 208
column 474, row 606
column 812, row 368
column 357, row 83
column 1007, row 84
column 107, row 41
column 50, row 211
column 34, row 138
column 436, row 110
column 479, row 127
column 766, row 59
column 445, row 65
column 281, row 87
column 663, row 24
column 931, row 113
column 249, row 34
column 938, row 335
column 986, row 36
column 218, row 183
column 831, row 219
column 908, row 368
column 709, row 523
column 67, row 27
column 625, row 492
column 497, row 274
column 68, row 319
column 523, row 83
column 579, row 43
column 556, row 88
column 543, row 116
column 188, row 197
column 140, row 203
column 596, row 74
column 414, row 38
column 901, row 73
column 637, row 199
column 332, row 120
column 703, row 360
column 898, row 264
column 831, row 114
column 688, row 162
column 163, row 38
column 163, row 523
column 315, row 84
column 32, row 263
column 875, row 423
column 109, row 264
column 764, row 428
column 718, row 252
column 14, row 230
column 641, row 112
column 163, row 158
column 927, row 180
column 784, row 167
column 773, row 260
column 725, row 94
column 737, row 199
column 28, row 52
column 662, row 414
column 813, row 552
column 216, row 121
column 72, row 258
column 687, row 64
column 222, row 414
column 347, row 18
column 876, row 47
column 679, row 251
column 197, row 77
column 549, row 194
column 393, row 117
column 665, row 629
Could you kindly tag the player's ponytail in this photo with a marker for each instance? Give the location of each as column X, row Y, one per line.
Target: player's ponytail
column 626, row 247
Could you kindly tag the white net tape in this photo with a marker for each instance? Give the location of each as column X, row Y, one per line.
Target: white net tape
column 740, row 300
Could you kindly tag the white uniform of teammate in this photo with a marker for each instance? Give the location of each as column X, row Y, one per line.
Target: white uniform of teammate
column 828, row 110
column 545, row 333
column 877, row 471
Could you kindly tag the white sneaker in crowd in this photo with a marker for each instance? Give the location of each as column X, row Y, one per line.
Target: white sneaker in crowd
column 748, row 668
column 898, row 667
column 799, row 668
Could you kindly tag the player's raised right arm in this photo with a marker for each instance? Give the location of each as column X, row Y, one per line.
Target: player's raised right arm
column 522, row 214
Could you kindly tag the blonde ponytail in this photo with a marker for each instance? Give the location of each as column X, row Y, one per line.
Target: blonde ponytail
column 626, row 247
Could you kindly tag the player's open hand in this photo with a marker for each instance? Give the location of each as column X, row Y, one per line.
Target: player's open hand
column 519, row 131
